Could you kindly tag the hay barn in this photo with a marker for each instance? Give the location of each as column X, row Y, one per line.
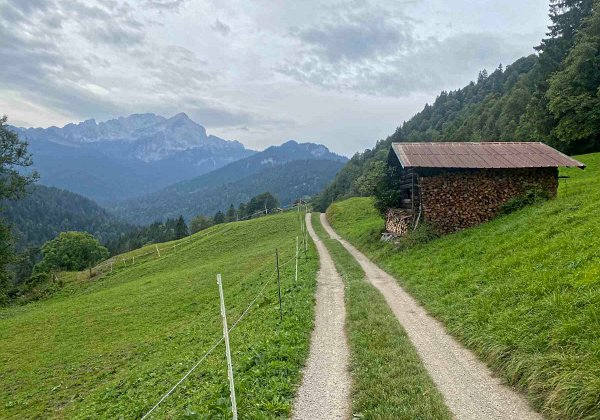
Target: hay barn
column 453, row 185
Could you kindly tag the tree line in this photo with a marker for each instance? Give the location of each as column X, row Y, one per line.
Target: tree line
column 552, row 96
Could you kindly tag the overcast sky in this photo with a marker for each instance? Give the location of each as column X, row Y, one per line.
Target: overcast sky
column 341, row 73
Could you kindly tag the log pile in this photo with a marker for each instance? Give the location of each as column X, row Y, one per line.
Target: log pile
column 398, row 221
column 457, row 200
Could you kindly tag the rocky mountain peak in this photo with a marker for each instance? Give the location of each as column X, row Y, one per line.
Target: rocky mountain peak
column 147, row 137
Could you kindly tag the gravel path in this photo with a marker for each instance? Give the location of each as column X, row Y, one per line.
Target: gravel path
column 325, row 389
column 468, row 386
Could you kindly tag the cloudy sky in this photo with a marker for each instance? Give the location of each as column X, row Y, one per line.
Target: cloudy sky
column 341, row 73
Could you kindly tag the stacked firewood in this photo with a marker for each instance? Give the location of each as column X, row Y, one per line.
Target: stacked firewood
column 398, row 221
column 456, row 200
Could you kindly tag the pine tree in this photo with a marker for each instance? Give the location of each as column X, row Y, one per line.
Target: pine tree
column 574, row 95
column 483, row 75
column 242, row 210
column 230, row 216
column 219, row 218
column 181, row 229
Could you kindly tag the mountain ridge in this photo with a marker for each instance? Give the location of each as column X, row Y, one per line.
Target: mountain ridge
column 291, row 170
column 127, row 156
column 142, row 129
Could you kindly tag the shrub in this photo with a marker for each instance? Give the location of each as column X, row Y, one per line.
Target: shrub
column 533, row 195
column 421, row 235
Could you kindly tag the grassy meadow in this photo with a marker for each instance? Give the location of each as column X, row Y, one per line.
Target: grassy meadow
column 522, row 291
column 389, row 379
column 111, row 347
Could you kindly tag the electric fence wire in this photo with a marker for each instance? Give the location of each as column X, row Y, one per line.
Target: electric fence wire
column 216, row 344
column 180, row 242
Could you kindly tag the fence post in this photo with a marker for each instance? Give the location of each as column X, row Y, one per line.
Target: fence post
column 227, row 349
column 296, row 278
column 278, row 284
column 305, row 243
column 111, row 266
column 157, row 251
column 133, row 258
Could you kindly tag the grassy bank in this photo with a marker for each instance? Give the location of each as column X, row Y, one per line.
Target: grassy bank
column 111, row 347
column 389, row 380
column 523, row 291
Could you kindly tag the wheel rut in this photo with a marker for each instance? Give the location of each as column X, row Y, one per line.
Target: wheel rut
column 469, row 388
column 325, row 389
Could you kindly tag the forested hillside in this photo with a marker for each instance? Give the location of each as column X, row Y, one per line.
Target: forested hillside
column 287, row 182
column 46, row 211
column 289, row 171
column 551, row 96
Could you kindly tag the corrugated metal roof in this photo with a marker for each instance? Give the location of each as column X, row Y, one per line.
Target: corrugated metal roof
column 492, row 155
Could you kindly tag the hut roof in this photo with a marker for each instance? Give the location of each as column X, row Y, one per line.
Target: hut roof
column 491, row 155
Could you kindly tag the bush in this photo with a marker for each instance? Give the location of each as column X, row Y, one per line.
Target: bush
column 36, row 280
column 533, row 195
column 421, row 235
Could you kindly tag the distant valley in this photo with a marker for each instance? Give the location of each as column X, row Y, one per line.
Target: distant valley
column 290, row 171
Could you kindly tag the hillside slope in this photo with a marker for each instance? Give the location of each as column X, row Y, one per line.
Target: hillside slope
column 110, row 348
column 46, row 211
column 523, row 291
column 290, row 171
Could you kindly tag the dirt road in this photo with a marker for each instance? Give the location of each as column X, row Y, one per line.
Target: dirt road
column 468, row 386
column 325, row 389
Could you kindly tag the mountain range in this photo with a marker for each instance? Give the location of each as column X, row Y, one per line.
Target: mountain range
column 289, row 171
column 145, row 168
column 128, row 156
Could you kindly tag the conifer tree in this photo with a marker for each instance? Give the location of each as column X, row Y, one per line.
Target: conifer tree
column 181, row 229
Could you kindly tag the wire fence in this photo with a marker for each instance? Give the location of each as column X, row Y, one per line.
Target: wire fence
column 109, row 264
column 212, row 348
column 295, row 257
column 164, row 250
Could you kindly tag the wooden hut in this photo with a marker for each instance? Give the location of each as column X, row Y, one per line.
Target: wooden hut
column 454, row 185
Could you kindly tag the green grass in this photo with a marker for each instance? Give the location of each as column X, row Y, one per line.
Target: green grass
column 522, row 291
column 389, row 379
column 111, row 347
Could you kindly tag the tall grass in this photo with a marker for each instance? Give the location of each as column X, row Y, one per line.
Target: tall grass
column 522, row 291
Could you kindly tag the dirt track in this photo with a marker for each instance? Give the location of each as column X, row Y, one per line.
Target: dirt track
column 468, row 386
column 325, row 389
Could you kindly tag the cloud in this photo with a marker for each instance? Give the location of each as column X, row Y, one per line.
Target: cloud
column 357, row 35
column 347, row 69
column 221, row 27
column 93, row 59
column 28, row 6
column 377, row 52
column 165, row 4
